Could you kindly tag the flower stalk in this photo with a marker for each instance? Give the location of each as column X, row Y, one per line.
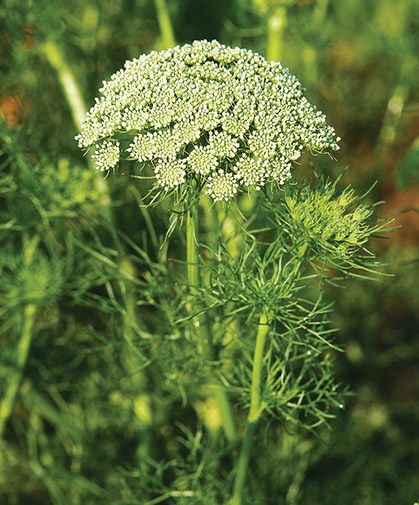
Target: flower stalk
column 194, row 277
column 200, row 323
column 276, row 24
column 192, row 247
column 8, row 400
column 255, row 411
column 166, row 29
column 68, row 82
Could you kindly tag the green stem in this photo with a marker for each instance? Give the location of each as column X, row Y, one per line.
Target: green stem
column 319, row 13
column 192, row 248
column 194, row 278
column 166, row 30
column 226, row 413
column 55, row 57
column 255, row 398
column 254, row 412
column 276, row 25
column 8, row 401
column 243, row 463
column 202, row 329
column 68, row 82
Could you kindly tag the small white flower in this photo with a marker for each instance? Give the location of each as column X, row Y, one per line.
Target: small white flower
column 170, row 173
column 161, row 114
column 280, row 170
column 202, row 160
column 167, row 143
column 134, row 118
column 106, row 155
column 221, row 185
column 223, row 144
column 251, row 171
column 236, row 123
column 187, row 131
column 261, row 144
column 143, row 147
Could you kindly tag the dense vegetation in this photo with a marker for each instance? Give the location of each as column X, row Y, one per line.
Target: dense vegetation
column 98, row 385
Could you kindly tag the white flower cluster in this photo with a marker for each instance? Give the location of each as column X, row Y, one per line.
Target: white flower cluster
column 205, row 109
column 106, row 155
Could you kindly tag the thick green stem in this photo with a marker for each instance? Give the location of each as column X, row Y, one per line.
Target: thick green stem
column 255, row 411
column 242, row 464
column 8, row 400
column 194, row 278
column 202, row 328
column 255, row 398
column 192, row 248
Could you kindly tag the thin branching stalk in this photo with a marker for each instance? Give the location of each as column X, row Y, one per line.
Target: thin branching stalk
column 8, row 400
column 255, row 410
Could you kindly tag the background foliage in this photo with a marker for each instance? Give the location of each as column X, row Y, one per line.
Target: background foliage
column 89, row 421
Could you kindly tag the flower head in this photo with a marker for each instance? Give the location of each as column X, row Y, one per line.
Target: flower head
column 221, row 185
column 205, row 110
column 170, row 173
column 106, row 155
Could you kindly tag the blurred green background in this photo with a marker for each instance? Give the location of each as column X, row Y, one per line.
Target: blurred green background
column 87, row 423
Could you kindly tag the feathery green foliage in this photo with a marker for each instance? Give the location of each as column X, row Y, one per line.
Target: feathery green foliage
column 137, row 367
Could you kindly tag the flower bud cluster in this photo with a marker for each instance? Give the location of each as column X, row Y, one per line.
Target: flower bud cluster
column 206, row 110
